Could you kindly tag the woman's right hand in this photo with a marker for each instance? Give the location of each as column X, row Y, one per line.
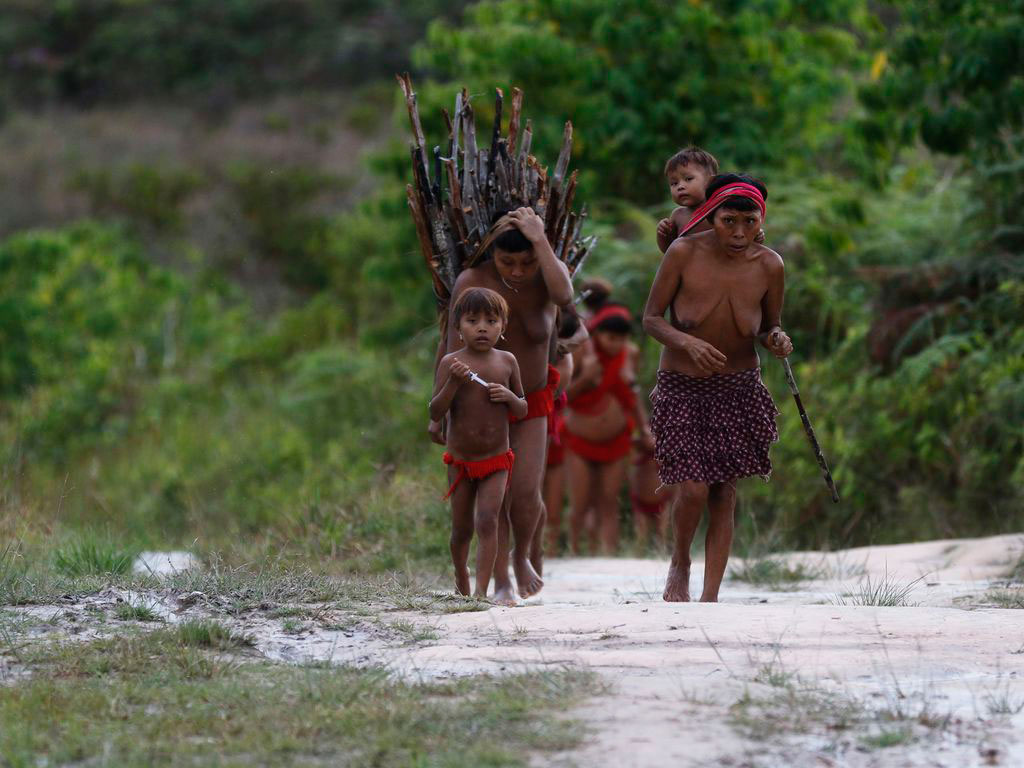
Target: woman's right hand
column 705, row 356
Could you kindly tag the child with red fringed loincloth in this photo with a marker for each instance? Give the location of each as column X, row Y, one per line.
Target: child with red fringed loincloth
column 478, row 387
column 713, row 419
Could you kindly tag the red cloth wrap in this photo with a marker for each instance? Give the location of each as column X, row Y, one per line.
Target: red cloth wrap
column 649, row 508
column 540, row 402
column 478, row 469
column 591, row 401
column 556, row 431
column 739, row 189
column 602, row 453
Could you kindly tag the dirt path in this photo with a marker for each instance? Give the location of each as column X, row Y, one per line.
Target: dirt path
column 769, row 677
column 836, row 685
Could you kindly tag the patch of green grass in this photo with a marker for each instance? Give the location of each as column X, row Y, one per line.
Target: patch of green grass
column 886, row 592
column 891, row 737
column 773, row 572
column 1005, row 598
column 410, row 632
column 291, row 626
column 91, row 556
column 206, row 633
column 127, row 611
column 147, row 699
column 775, row 674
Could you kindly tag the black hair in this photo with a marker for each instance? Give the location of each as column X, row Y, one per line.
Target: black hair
column 692, row 156
column 512, row 241
column 735, row 203
column 477, row 301
column 569, row 323
column 595, row 292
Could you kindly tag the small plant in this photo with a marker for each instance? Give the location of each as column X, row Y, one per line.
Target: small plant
column 127, row 611
column 892, row 737
column 1001, row 701
column 773, row 572
column 884, row 592
column 93, row 557
column 1005, row 598
column 291, row 626
column 206, row 633
column 775, row 674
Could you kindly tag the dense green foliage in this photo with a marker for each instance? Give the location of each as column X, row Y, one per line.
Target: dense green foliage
column 758, row 82
column 159, row 403
column 100, row 50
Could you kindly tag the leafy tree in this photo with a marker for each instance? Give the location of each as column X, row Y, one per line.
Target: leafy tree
column 755, row 82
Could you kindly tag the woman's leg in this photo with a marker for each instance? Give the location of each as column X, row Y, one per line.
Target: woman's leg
column 610, row 478
column 580, row 487
column 721, row 512
column 554, row 501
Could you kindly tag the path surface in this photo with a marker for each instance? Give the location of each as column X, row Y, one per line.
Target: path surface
column 766, row 678
column 675, row 671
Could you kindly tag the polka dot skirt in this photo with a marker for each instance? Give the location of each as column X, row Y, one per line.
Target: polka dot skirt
column 714, row 428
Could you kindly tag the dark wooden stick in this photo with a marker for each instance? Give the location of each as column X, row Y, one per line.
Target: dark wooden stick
column 825, row 473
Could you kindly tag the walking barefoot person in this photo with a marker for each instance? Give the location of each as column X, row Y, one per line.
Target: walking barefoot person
column 547, row 538
column 713, row 419
column 524, row 271
column 478, row 387
column 602, row 415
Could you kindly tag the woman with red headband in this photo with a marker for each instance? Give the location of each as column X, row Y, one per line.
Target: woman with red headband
column 713, row 419
column 602, row 414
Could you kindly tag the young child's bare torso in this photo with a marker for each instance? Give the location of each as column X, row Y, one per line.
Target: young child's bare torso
column 531, row 322
column 478, row 427
column 719, row 300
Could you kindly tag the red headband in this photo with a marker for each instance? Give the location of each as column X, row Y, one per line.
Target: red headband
column 605, row 313
column 739, row 189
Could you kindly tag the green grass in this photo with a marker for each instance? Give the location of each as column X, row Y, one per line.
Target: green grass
column 885, row 591
column 156, row 699
column 93, row 557
column 206, row 633
column 773, row 572
column 127, row 611
column 1005, row 598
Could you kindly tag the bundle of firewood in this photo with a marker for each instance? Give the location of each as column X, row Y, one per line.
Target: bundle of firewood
column 456, row 192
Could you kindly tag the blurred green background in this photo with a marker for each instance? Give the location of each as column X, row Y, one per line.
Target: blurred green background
column 216, row 327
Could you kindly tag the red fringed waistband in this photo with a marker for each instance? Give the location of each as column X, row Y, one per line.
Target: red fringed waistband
column 540, row 402
column 604, row 452
column 475, row 470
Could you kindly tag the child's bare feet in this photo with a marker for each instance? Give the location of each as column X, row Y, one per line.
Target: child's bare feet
column 527, row 580
column 677, row 586
column 462, row 580
column 504, row 596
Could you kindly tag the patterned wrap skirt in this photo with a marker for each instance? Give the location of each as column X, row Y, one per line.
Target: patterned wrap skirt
column 714, row 428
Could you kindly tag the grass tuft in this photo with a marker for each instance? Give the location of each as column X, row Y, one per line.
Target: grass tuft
column 206, row 633
column 1005, row 598
column 884, row 592
column 127, row 611
column 773, row 572
column 93, row 557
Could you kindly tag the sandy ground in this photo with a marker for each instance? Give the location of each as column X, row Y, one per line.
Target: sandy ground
column 751, row 681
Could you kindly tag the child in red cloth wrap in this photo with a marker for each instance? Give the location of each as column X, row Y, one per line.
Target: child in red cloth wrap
column 479, row 389
column 602, row 415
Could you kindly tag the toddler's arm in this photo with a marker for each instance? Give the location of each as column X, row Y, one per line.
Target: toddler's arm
column 451, row 374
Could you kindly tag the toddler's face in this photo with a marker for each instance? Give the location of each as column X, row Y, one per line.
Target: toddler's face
column 687, row 183
column 480, row 331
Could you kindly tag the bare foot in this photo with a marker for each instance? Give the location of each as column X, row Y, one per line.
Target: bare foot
column 677, row 585
column 706, row 599
column 504, row 596
column 537, row 560
column 462, row 580
column 527, row 580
